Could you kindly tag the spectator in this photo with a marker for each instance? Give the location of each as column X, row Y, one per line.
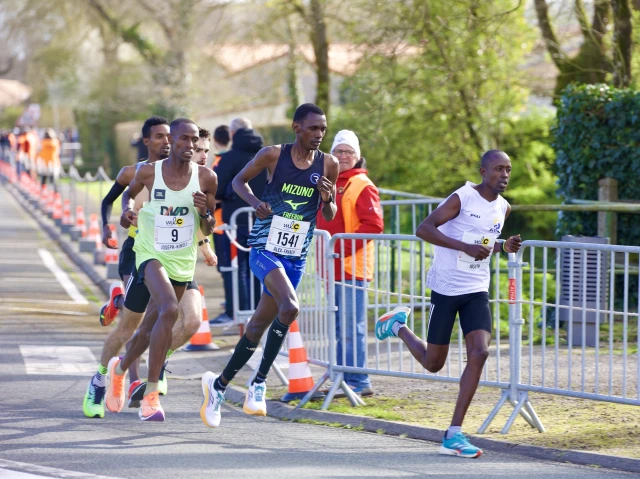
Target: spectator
column 246, row 143
column 221, row 243
column 49, row 158
column 359, row 211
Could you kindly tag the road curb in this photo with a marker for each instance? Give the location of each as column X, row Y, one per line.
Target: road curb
column 279, row 410
column 283, row 411
column 86, row 267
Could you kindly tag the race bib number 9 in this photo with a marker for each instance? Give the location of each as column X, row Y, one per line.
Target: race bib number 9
column 173, row 232
column 286, row 237
column 468, row 263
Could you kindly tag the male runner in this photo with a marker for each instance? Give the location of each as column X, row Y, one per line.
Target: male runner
column 189, row 308
column 155, row 133
column 182, row 197
column 301, row 180
column 463, row 230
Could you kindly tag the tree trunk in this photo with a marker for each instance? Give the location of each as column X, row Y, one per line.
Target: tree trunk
column 321, row 50
column 622, row 43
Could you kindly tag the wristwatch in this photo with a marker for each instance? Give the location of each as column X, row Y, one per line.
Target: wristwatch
column 206, row 216
column 330, row 199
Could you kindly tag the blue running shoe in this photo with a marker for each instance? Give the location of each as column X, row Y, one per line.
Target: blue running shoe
column 384, row 325
column 459, row 445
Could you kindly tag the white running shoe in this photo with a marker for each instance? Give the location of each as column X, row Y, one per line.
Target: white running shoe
column 255, row 402
column 213, row 399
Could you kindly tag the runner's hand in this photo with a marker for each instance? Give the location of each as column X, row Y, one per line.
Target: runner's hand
column 263, row 210
column 200, row 202
column 476, row 251
column 513, row 243
column 107, row 238
column 128, row 218
column 325, row 187
column 210, row 258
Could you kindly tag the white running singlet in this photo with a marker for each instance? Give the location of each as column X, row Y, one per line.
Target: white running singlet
column 454, row 273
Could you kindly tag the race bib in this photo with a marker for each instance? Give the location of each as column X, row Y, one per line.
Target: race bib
column 173, row 232
column 286, row 237
column 468, row 263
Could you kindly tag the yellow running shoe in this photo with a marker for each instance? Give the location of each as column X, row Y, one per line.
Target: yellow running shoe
column 150, row 409
column 116, row 394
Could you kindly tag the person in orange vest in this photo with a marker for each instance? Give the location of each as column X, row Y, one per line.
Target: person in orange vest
column 31, row 149
column 49, row 157
column 359, row 211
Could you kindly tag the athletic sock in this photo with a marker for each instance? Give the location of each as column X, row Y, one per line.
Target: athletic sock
column 243, row 352
column 119, row 370
column 452, row 430
column 151, row 388
column 395, row 327
column 99, row 379
column 275, row 338
column 169, row 353
column 102, row 370
column 259, row 379
column 218, row 386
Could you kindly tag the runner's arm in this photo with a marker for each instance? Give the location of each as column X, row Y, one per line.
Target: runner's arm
column 122, row 180
column 266, row 158
column 142, row 175
column 205, row 200
column 429, row 232
column 327, row 187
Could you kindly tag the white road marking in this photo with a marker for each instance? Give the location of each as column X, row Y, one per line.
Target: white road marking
column 22, row 469
column 21, row 262
column 46, row 311
column 62, row 277
column 58, row 360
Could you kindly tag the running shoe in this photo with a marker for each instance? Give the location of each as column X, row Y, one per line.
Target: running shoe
column 222, row 318
column 109, row 310
column 384, row 325
column 459, row 445
column 93, row 404
column 163, row 385
column 136, row 393
column 115, row 387
column 213, row 399
column 150, row 409
column 255, row 402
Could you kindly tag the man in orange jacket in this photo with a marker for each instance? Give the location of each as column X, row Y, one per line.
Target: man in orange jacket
column 359, row 211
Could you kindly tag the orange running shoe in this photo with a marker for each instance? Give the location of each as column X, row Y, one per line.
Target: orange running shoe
column 150, row 409
column 114, row 399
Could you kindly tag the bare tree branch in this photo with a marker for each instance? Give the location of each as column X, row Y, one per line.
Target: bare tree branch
column 548, row 34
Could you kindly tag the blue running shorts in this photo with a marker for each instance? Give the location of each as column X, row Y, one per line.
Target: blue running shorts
column 262, row 262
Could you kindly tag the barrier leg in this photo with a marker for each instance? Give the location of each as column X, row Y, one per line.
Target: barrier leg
column 523, row 413
column 338, row 380
column 523, row 400
column 316, row 387
column 537, row 423
column 492, row 415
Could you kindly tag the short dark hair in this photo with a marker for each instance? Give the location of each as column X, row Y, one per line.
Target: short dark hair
column 203, row 133
column 221, row 135
column 304, row 110
column 150, row 122
column 491, row 155
column 179, row 121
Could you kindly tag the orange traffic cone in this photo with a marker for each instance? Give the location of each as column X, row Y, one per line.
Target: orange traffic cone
column 67, row 220
column 80, row 222
column 93, row 240
column 300, row 379
column 57, row 209
column 44, row 197
column 111, row 255
column 202, row 341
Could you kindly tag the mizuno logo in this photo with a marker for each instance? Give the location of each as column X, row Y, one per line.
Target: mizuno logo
column 295, row 205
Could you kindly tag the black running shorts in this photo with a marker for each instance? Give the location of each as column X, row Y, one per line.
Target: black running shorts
column 137, row 295
column 127, row 261
column 473, row 310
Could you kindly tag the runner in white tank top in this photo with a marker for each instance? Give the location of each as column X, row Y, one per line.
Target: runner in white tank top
column 463, row 229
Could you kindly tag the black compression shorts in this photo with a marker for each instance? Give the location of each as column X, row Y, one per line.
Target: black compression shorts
column 473, row 310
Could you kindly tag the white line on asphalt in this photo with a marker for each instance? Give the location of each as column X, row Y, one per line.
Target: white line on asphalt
column 58, row 360
column 45, row 311
column 22, row 279
column 50, row 471
column 38, row 301
column 62, row 277
column 23, row 262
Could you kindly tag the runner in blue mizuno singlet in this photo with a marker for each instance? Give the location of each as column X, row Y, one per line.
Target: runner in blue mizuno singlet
column 301, row 180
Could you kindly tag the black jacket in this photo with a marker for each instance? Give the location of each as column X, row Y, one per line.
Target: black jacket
column 246, row 143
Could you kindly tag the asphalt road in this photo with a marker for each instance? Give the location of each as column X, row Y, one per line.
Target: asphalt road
column 49, row 341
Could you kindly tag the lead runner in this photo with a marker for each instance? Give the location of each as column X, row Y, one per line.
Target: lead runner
column 301, row 180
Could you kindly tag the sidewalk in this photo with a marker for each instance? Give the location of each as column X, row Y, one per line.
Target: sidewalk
column 417, row 409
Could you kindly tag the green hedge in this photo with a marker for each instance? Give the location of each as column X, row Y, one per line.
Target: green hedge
column 597, row 135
